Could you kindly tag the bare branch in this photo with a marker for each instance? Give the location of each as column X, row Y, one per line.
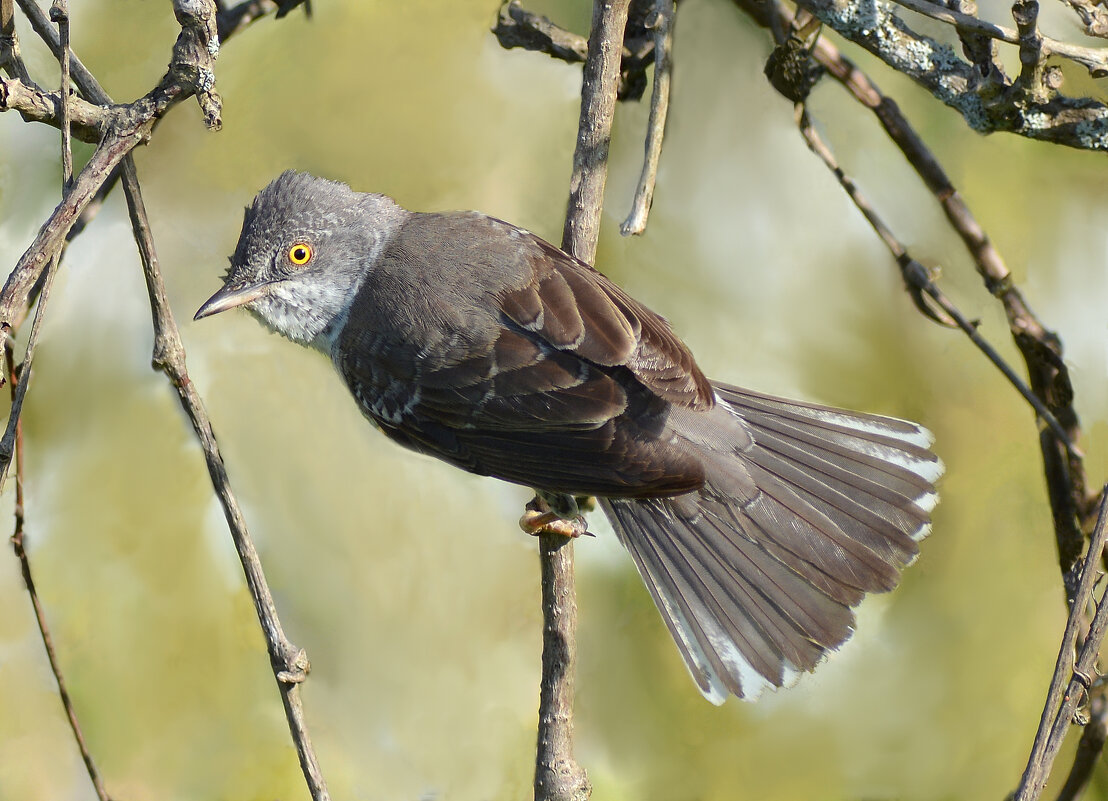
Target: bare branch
column 656, row 126
column 17, row 540
column 1069, row 686
column 1041, row 348
column 1093, row 59
column 517, row 27
column 1075, row 122
column 13, row 298
column 10, row 59
column 558, row 776
column 290, row 664
column 1089, row 749
column 919, row 280
column 234, row 19
column 35, row 105
column 59, row 13
column 189, row 74
column 82, row 78
column 594, row 134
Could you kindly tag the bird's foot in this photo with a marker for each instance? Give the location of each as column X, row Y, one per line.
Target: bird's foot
column 549, row 513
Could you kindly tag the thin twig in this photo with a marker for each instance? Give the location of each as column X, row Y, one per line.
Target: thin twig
column 45, row 248
column 978, row 47
column 1069, row 685
column 290, row 664
column 17, row 542
column 918, row 278
column 1040, row 348
column 59, row 13
column 40, row 24
column 1089, row 749
column 10, row 59
column 659, row 107
column 1030, row 80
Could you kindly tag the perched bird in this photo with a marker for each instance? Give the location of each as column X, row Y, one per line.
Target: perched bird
column 756, row 522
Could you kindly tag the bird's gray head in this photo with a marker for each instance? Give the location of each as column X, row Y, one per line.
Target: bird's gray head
column 306, row 245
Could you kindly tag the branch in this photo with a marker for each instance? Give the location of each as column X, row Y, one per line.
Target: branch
column 290, row 664
column 45, row 250
column 36, row 604
column 1040, row 348
column 558, row 777
column 1075, row 677
column 123, row 129
column 1093, row 16
column 1075, row 122
column 516, row 27
column 665, row 11
column 918, row 280
column 1050, row 385
column 1093, row 59
column 1089, row 749
column 10, row 58
column 594, row 133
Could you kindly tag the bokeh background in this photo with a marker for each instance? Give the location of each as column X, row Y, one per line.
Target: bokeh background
column 408, row 582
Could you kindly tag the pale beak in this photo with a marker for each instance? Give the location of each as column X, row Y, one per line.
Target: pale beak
column 229, row 297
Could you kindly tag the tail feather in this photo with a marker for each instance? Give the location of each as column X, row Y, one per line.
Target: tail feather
column 804, row 510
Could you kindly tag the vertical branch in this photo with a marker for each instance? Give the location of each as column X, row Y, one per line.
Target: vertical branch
column 557, row 774
column 594, row 132
column 664, row 14
column 59, row 13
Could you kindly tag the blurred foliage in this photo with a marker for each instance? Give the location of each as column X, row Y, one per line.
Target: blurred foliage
column 408, row 582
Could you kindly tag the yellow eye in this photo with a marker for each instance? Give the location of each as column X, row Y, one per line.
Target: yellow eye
column 300, row 253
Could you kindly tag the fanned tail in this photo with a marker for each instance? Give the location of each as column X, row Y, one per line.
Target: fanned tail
column 805, row 509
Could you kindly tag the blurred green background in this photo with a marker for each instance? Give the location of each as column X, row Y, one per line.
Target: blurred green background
column 408, row 582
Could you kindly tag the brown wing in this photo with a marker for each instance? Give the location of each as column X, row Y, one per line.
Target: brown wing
column 574, row 308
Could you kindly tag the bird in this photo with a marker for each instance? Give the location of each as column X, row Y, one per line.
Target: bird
column 757, row 523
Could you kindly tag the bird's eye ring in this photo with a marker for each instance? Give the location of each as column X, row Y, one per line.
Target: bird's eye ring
column 301, row 253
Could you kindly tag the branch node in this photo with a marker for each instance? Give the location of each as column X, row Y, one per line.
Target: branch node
column 296, row 669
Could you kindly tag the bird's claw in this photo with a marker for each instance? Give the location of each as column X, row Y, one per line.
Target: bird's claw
column 536, row 522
